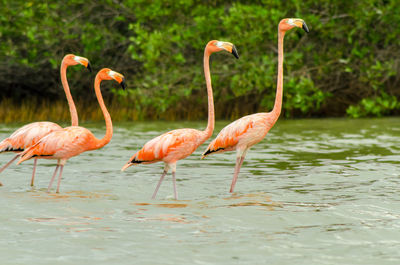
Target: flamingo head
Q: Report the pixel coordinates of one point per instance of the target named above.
(108, 74)
(216, 46)
(72, 59)
(289, 23)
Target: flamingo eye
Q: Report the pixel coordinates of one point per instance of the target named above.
(219, 44)
(111, 73)
(77, 59)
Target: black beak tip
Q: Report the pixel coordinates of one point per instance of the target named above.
(234, 52)
(89, 67)
(123, 84)
(305, 28)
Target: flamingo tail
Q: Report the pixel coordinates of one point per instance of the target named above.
(27, 154)
(208, 152)
(132, 162)
(126, 166)
(6, 146)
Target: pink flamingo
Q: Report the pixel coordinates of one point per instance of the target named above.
(31, 133)
(65, 143)
(178, 144)
(245, 132)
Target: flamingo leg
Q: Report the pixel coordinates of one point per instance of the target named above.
(52, 178)
(33, 171)
(8, 164)
(159, 183)
(59, 179)
(174, 183)
(239, 162)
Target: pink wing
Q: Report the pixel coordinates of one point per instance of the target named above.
(27, 136)
(61, 144)
(243, 133)
(169, 147)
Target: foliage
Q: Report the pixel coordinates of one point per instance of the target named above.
(348, 63)
(377, 106)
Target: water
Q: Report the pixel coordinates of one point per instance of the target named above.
(322, 191)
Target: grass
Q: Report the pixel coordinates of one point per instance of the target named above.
(58, 111)
(89, 111)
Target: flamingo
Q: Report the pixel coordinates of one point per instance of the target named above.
(245, 132)
(31, 133)
(65, 143)
(178, 144)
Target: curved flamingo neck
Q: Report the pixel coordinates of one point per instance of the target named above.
(279, 86)
(109, 129)
(71, 104)
(211, 116)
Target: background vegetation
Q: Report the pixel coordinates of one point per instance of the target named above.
(347, 65)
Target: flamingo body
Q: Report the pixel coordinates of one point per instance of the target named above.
(62, 144)
(27, 136)
(242, 133)
(169, 147)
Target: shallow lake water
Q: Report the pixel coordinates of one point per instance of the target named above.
(320, 191)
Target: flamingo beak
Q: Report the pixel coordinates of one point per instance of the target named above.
(305, 28)
(89, 67)
(126, 166)
(234, 52)
(123, 84)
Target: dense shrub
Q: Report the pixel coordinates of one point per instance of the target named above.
(348, 63)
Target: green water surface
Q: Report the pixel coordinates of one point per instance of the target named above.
(322, 191)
